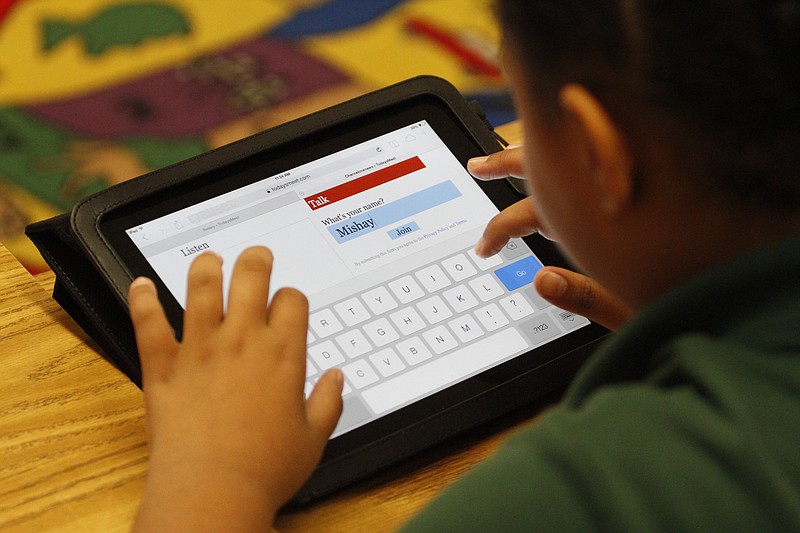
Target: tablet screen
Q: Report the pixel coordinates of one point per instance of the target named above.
(379, 237)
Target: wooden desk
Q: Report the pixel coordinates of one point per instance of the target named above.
(72, 439)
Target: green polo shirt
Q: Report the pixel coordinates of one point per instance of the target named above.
(688, 419)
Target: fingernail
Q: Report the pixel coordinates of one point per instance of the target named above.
(484, 249)
(338, 378)
(141, 281)
(551, 285)
(476, 162)
(480, 248)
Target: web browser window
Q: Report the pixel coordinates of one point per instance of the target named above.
(402, 193)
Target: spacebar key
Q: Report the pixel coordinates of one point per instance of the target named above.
(444, 370)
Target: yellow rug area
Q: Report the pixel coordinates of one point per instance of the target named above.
(95, 92)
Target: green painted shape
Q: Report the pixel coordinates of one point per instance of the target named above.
(118, 25)
(158, 153)
(30, 156)
(33, 155)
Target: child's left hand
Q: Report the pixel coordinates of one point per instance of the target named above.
(230, 434)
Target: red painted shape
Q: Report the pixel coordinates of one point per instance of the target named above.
(450, 42)
(6, 6)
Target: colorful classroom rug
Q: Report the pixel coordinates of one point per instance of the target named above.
(94, 92)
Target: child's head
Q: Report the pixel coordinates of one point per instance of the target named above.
(698, 102)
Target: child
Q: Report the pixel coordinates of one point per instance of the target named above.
(661, 152)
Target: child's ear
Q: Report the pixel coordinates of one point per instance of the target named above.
(604, 146)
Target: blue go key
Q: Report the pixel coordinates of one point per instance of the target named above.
(518, 273)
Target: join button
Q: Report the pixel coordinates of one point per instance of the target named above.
(402, 231)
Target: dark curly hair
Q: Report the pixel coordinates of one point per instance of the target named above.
(725, 74)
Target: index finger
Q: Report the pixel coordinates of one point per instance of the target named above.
(509, 162)
(516, 220)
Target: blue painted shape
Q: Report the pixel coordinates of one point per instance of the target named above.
(518, 273)
(402, 231)
(393, 212)
(333, 17)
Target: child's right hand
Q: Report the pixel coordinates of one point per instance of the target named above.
(563, 288)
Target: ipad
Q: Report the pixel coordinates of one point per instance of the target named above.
(374, 219)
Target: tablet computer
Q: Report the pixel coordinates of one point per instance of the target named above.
(368, 210)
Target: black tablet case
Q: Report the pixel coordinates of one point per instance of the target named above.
(91, 281)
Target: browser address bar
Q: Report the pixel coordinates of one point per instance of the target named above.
(310, 168)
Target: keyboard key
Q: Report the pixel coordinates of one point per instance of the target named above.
(567, 319)
(439, 339)
(540, 328)
(326, 355)
(387, 362)
(465, 328)
(486, 287)
(406, 289)
(352, 311)
(519, 273)
(381, 332)
(484, 264)
(460, 298)
(491, 317)
(535, 298)
(379, 300)
(413, 350)
(354, 412)
(443, 371)
(434, 309)
(354, 343)
(516, 306)
(433, 278)
(407, 320)
(360, 374)
(459, 267)
(514, 248)
(324, 323)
